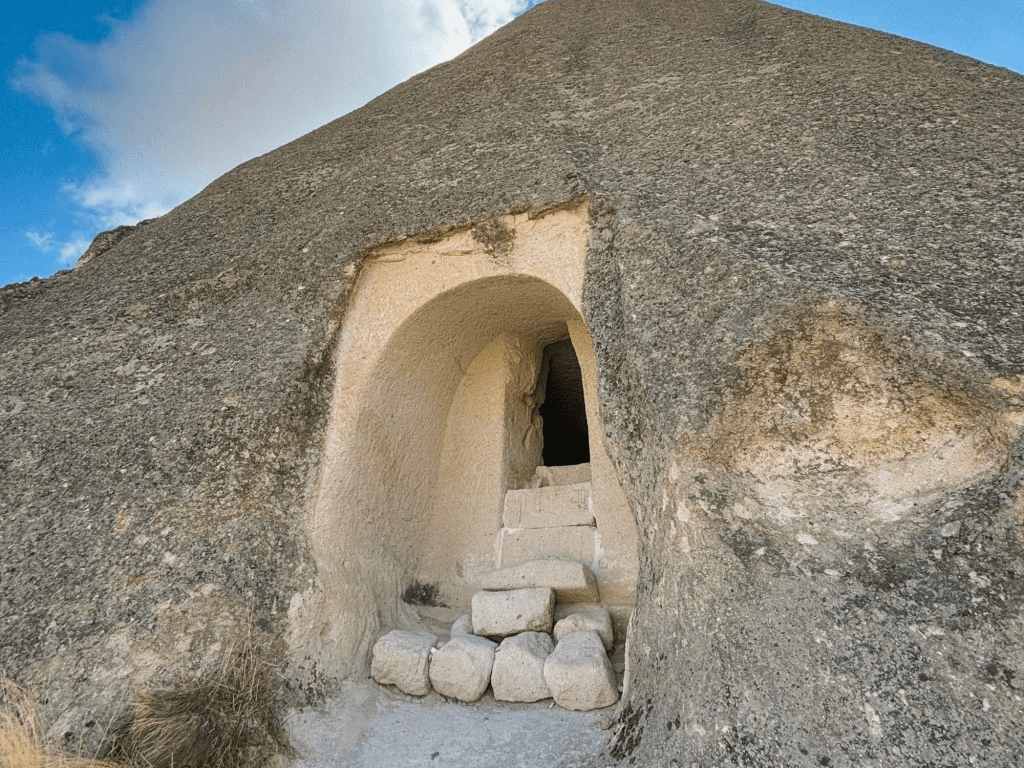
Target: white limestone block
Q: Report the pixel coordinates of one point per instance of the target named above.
(402, 658)
(518, 673)
(461, 669)
(551, 507)
(462, 626)
(592, 619)
(572, 581)
(564, 475)
(499, 614)
(579, 674)
(520, 545)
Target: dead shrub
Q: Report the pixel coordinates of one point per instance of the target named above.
(22, 738)
(228, 719)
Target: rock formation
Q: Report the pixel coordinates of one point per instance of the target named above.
(789, 255)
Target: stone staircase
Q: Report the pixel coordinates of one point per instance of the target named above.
(555, 520)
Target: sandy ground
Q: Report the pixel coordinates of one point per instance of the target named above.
(364, 725)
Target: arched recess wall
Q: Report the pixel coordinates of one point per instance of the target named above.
(433, 421)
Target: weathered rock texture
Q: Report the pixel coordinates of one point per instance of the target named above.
(498, 614)
(462, 626)
(518, 673)
(104, 241)
(579, 674)
(461, 668)
(592, 620)
(402, 658)
(803, 285)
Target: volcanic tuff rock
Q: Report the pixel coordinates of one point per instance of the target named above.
(499, 614)
(579, 674)
(518, 673)
(804, 286)
(593, 619)
(461, 668)
(402, 659)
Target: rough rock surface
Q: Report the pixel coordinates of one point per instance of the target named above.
(461, 668)
(104, 241)
(597, 620)
(518, 673)
(402, 658)
(462, 625)
(579, 674)
(498, 614)
(804, 288)
(573, 582)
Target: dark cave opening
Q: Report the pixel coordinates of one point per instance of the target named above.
(566, 437)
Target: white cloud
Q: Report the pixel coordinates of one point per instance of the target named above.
(41, 240)
(68, 251)
(185, 91)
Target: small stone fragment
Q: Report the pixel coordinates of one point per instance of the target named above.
(518, 673)
(402, 658)
(593, 619)
(572, 581)
(579, 674)
(462, 668)
(462, 626)
(499, 614)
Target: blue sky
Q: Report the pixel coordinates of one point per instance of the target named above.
(115, 110)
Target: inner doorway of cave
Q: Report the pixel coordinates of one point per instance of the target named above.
(563, 410)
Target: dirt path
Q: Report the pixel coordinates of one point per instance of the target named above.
(366, 726)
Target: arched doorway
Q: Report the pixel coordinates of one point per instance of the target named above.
(437, 416)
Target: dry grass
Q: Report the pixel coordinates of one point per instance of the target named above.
(229, 719)
(22, 740)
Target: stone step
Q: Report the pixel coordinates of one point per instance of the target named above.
(564, 475)
(550, 507)
(572, 581)
(520, 545)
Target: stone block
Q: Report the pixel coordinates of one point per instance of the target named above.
(565, 475)
(499, 614)
(569, 543)
(518, 673)
(579, 674)
(462, 626)
(461, 669)
(588, 619)
(572, 581)
(552, 507)
(402, 658)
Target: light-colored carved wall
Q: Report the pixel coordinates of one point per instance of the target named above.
(433, 421)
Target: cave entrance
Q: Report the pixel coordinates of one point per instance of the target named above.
(563, 407)
(458, 358)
